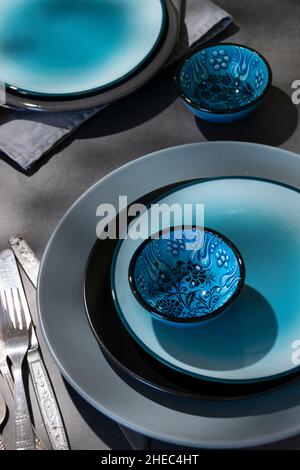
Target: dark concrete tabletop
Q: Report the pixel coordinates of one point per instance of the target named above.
(150, 119)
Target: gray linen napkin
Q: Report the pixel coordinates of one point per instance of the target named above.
(25, 136)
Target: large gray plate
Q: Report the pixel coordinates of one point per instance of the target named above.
(19, 101)
(253, 421)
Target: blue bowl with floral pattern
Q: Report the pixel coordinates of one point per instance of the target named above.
(186, 275)
(223, 82)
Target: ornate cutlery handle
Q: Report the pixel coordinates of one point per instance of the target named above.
(42, 385)
(47, 401)
(1, 444)
(9, 381)
(24, 433)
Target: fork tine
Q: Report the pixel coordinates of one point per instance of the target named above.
(16, 307)
(9, 313)
(5, 307)
(2, 313)
(23, 322)
(3, 299)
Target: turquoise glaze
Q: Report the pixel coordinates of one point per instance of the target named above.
(74, 46)
(186, 276)
(223, 82)
(254, 339)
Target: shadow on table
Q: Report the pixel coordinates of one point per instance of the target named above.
(135, 109)
(106, 429)
(272, 124)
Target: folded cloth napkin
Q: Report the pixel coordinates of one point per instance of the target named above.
(25, 136)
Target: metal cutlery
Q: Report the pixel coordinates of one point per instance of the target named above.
(4, 370)
(16, 339)
(9, 276)
(2, 418)
(26, 258)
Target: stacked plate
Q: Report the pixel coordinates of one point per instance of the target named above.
(221, 383)
(81, 53)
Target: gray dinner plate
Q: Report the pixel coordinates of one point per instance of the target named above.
(253, 421)
(143, 74)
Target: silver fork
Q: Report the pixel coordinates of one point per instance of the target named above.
(4, 370)
(16, 339)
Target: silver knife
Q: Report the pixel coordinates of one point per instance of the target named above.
(10, 277)
(26, 258)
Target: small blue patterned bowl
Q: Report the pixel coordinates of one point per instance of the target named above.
(223, 82)
(186, 276)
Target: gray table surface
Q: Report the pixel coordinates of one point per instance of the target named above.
(149, 120)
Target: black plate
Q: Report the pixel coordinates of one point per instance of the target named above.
(127, 357)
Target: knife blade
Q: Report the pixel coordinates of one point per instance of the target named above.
(10, 278)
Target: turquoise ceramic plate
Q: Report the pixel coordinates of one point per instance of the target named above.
(60, 47)
(253, 340)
